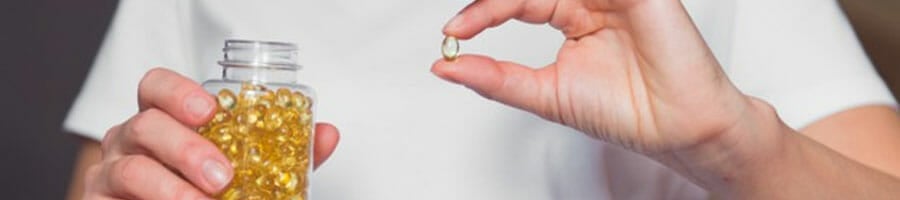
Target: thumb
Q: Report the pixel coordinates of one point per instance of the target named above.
(508, 83)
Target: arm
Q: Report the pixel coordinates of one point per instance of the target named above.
(869, 134)
(777, 162)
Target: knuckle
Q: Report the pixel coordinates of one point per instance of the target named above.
(151, 75)
(128, 169)
(165, 86)
(109, 138)
(142, 123)
(191, 148)
(534, 7)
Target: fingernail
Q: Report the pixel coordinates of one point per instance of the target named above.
(454, 23)
(198, 106)
(215, 173)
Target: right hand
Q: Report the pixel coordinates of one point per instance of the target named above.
(158, 155)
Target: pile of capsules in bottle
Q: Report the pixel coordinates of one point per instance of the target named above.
(267, 136)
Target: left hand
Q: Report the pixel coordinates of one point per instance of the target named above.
(635, 73)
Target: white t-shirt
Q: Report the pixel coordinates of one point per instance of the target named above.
(410, 135)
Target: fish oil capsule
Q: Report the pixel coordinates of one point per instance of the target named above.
(283, 97)
(273, 120)
(226, 99)
(266, 99)
(450, 48)
(263, 127)
(299, 101)
(286, 180)
(249, 116)
(220, 117)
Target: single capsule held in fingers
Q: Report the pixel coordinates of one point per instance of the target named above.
(450, 48)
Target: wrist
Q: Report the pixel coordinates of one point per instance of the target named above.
(735, 156)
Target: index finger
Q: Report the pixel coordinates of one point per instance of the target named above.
(483, 14)
(178, 96)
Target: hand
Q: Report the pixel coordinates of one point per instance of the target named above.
(631, 72)
(158, 155)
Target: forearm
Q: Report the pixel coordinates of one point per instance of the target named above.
(806, 169)
(761, 158)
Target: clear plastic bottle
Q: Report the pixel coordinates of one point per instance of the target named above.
(264, 123)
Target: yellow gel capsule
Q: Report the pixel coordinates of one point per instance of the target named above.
(283, 97)
(273, 120)
(247, 86)
(249, 117)
(299, 101)
(226, 99)
(305, 118)
(253, 153)
(287, 181)
(266, 99)
(221, 117)
(450, 48)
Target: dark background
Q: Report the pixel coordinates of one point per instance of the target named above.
(46, 50)
(47, 47)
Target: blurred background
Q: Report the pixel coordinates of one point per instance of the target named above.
(47, 47)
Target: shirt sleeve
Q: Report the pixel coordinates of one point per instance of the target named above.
(803, 57)
(143, 35)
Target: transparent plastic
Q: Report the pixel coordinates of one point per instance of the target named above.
(264, 123)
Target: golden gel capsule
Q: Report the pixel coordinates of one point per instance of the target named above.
(450, 48)
(226, 99)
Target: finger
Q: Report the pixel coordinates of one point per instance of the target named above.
(483, 14)
(327, 138)
(140, 177)
(505, 82)
(157, 134)
(177, 95)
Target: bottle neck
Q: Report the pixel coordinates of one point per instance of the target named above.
(259, 61)
(266, 75)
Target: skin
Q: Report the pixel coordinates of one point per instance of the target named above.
(634, 73)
